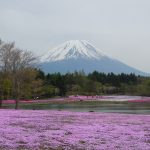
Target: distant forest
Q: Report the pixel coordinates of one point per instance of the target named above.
(96, 83)
(20, 79)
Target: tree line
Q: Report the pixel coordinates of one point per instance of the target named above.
(96, 83)
(20, 78)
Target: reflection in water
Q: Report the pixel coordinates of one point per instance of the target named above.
(114, 108)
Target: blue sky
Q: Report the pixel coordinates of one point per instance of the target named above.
(120, 28)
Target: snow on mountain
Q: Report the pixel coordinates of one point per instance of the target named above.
(77, 55)
(73, 49)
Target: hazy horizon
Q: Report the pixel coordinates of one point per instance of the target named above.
(119, 28)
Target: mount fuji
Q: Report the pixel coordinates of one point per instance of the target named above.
(77, 55)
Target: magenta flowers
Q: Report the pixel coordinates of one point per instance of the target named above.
(30, 129)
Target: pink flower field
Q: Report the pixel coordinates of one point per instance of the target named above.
(64, 130)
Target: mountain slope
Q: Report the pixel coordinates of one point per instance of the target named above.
(81, 55)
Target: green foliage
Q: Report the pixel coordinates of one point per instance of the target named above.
(49, 91)
(144, 88)
(7, 88)
(96, 83)
(35, 83)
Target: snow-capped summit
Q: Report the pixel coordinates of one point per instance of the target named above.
(77, 55)
(73, 49)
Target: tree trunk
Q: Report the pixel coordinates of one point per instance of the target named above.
(0, 103)
(16, 104)
(1, 100)
(17, 91)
